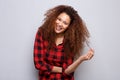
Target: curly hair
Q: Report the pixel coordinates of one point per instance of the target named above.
(74, 37)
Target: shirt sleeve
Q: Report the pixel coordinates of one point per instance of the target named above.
(66, 63)
(39, 55)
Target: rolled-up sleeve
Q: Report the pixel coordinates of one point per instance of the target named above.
(67, 63)
(39, 55)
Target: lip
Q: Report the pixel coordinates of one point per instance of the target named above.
(58, 29)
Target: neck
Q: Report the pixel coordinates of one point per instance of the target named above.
(59, 35)
(59, 39)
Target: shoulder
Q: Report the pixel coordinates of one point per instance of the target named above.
(39, 34)
(39, 31)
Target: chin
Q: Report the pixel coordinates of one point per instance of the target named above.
(58, 32)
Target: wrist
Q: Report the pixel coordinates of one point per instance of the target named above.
(60, 70)
(57, 69)
(81, 59)
(64, 72)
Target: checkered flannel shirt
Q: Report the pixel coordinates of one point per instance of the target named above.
(44, 60)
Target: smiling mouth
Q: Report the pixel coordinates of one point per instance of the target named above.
(58, 28)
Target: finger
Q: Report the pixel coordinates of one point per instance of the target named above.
(91, 49)
(90, 55)
(92, 52)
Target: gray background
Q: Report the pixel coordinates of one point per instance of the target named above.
(20, 19)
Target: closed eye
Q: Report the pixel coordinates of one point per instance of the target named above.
(59, 19)
(65, 23)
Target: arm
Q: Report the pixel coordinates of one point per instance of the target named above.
(57, 69)
(75, 64)
(39, 55)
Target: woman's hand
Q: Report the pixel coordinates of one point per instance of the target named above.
(71, 68)
(87, 56)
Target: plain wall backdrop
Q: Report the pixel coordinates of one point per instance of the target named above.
(20, 19)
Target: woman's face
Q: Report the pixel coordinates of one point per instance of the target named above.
(62, 22)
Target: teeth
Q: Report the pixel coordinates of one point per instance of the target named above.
(58, 28)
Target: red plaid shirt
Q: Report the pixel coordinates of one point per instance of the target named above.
(44, 60)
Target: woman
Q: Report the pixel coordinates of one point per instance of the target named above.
(59, 39)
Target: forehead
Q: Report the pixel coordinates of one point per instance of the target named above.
(64, 16)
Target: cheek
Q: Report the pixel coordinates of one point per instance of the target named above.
(56, 21)
(66, 27)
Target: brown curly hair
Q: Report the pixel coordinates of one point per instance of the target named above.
(74, 37)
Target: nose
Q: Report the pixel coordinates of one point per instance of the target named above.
(60, 23)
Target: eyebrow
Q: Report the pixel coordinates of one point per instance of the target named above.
(63, 20)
